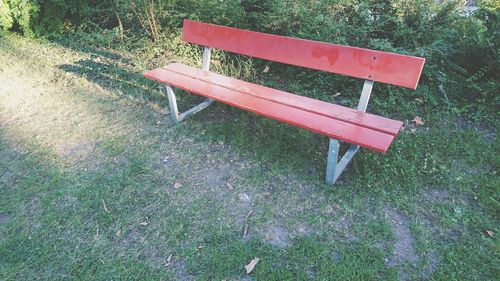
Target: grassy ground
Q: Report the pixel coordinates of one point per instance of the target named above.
(96, 183)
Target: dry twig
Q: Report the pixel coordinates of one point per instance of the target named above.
(104, 205)
(245, 229)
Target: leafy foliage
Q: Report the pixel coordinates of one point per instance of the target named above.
(461, 47)
(17, 13)
(5, 17)
(36, 17)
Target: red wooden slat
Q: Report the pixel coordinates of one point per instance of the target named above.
(321, 124)
(304, 103)
(368, 64)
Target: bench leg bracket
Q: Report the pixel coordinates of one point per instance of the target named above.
(172, 102)
(334, 168)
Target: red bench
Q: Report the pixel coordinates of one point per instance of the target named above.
(354, 126)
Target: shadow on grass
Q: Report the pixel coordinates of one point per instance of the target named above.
(115, 78)
(285, 147)
(76, 43)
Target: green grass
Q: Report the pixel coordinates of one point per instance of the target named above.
(89, 159)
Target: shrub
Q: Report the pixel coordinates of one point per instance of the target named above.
(461, 71)
(18, 14)
(5, 16)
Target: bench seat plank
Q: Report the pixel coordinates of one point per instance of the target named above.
(334, 111)
(274, 108)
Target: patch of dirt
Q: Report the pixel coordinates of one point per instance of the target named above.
(132, 238)
(180, 271)
(277, 236)
(336, 257)
(305, 192)
(443, 234)
(140, 244)
(3, 218)
(121, 160)
(209, 174)
(244, 203)
(303, 229)
(311, 273)
(33, 207)
(490, 136)
(214, 169)
(8, 179)
(277, 265)
(168, 161)
(217, 175)
(66, 202)
(437, 195)
(404, 250)
(381, 245)
(81, 152)
(83, 148)
(341, 224)
(432, 265)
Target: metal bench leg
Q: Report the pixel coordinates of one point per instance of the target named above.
(172, 102)
(333, 168)
(331, 165)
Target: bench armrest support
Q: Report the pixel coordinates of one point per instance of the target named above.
(365, 95)
(207, 54)
(333, 168)
(172, 101)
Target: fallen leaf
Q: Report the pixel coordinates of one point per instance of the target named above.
(266, 70)
(418, 121)
(269, 236)
(244, 197)
(169, 261)
(490, 233)
(177, 185)
(145, 223)
(228, 184)
(250, 266)
(419, 101)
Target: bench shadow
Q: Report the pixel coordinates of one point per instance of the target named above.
(117, 74)
(115, 78)
(74, 43)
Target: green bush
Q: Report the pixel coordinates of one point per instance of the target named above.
(461, 71)
(5, 17)
(41, 17)
(19, 14)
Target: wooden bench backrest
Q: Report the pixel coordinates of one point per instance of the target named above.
(362, 63)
